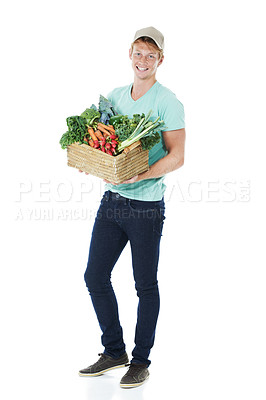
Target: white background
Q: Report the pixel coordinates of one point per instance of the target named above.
(57, 57)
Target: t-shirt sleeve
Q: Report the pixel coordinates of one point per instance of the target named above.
(172, 112)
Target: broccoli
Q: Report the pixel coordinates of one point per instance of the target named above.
(92, 117)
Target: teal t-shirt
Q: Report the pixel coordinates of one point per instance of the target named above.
(165, 105)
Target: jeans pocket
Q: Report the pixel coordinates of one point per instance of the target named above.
(101, 207)
(143, 206)
(159, 222)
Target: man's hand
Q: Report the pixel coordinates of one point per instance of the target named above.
(85, 172)
(131, 180)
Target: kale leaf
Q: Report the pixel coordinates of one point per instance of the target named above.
(106, 109)
(149, 141)
(77, 129)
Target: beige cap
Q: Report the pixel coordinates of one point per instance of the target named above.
(152, 33)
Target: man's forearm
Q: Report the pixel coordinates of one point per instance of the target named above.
(175, 144)
(162, 167)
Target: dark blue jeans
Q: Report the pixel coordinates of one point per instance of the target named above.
(118, 221)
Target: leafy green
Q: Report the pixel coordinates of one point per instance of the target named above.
(66, 139)
(93, 106)
(151, 140)
(138, 128)
(125, 126)
(91, 116)
(77, 129)
(106, 109)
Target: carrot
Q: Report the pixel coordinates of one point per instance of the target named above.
(103, 125)
(102, 129)
(91, 143)
(126, 150)
(112, 131)
(99, 134)
(109, 128)
(92, 134)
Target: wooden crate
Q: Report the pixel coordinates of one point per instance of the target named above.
(132, 161)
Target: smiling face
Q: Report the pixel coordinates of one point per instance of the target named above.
(145, 60)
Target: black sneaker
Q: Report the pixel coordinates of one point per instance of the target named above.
(104, 364)
(136, 375)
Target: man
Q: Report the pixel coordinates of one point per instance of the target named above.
(134, 211)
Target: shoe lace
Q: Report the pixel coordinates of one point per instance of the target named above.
(134, 368)
(103, 356)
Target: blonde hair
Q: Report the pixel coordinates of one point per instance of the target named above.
(151, 42)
